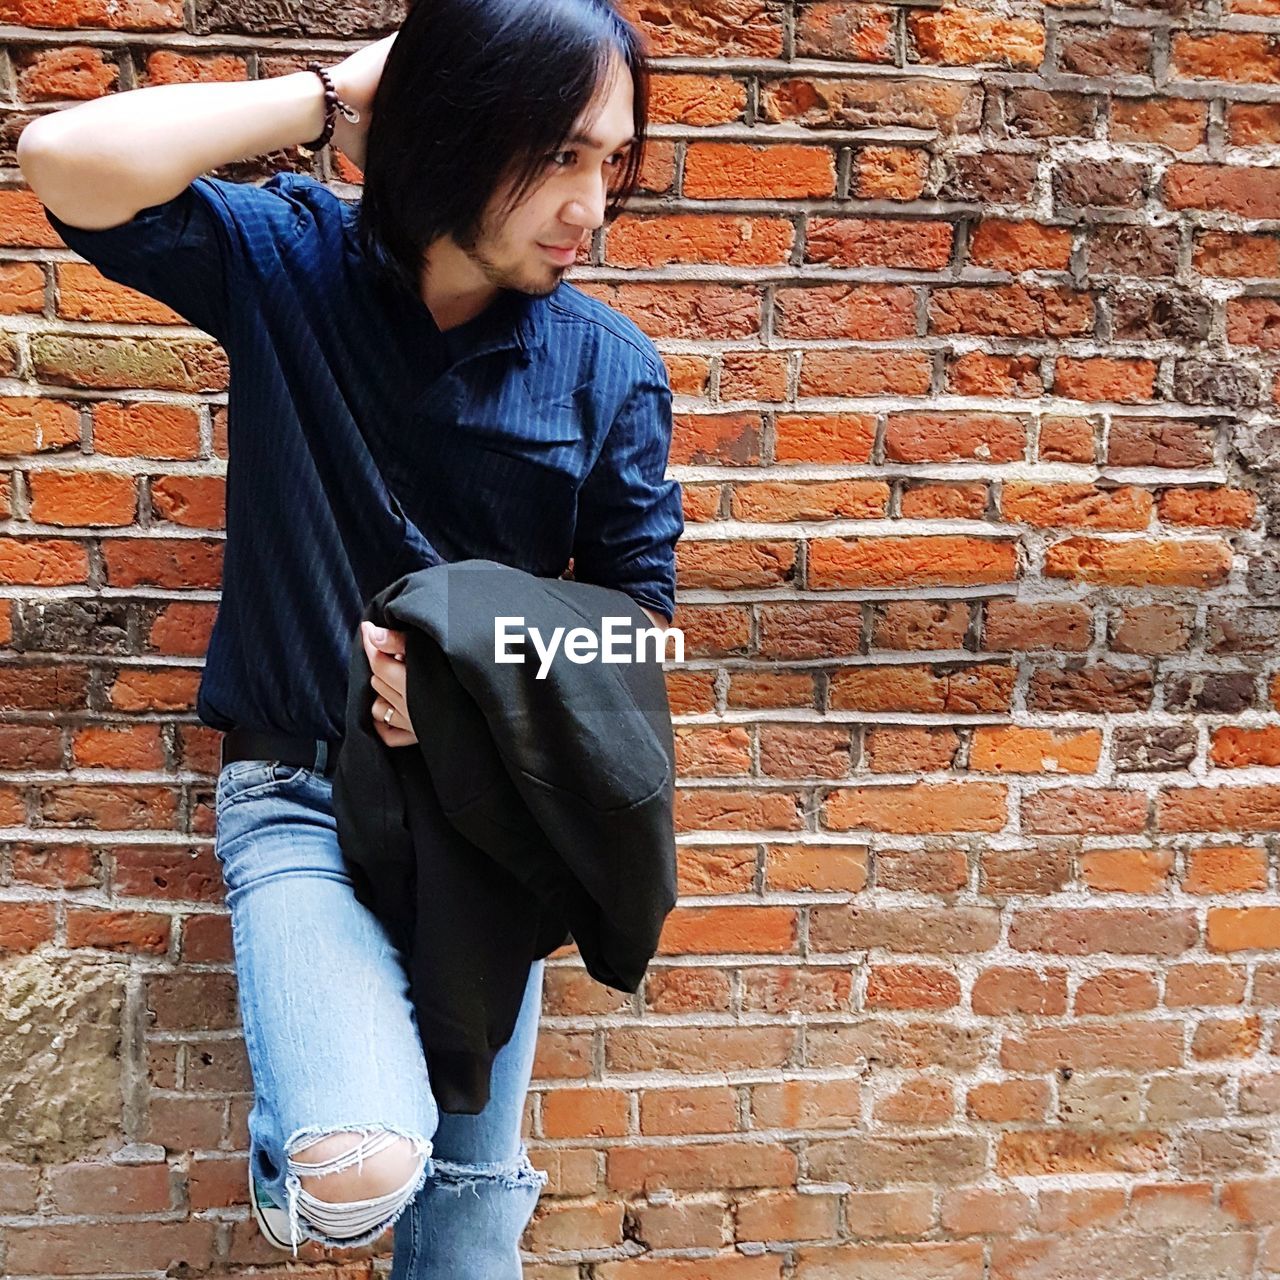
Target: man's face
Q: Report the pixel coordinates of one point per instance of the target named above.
(532, 247)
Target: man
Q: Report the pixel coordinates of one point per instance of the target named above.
(411, 379)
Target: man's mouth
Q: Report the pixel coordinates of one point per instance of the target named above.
(562, 255)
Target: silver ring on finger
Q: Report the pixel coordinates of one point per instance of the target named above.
(386, 719)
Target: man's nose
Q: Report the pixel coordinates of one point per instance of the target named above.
(587, 207)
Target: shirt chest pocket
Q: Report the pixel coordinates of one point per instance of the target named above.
(475, 499)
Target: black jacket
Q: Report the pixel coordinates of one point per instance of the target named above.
(530, 811)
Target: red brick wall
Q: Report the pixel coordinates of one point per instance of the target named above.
(976, 971)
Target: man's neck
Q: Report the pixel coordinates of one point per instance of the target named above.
(453, 288)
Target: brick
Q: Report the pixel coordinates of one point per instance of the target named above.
(804, 751)
(21, 288)
(721, 809)
(1066, 439)
(804, 629)
(686, 990)
(1236, 254)
(729, 1266)
(697, 1221)
(1176, 123)
(1240, 809)
(678, 1112)
(878, 242)
(1006, 245)
(1041, 113)
(1009, 749)
(127, 15)
(1240, 57)
(807, 1104)
(167, 66)
(701, 28)
(1002, 990)
(1082, 505)
(1151, 562)
(1102, 378)
(937, 560)
(920, 624)
(716, 869)
(146, 429)
(1252, 124)
(754, 930)
(558, 1226)
(786, 1215)
(30, 424)
(700, 1166)
(845, 311)
(959, 36)
(697, 1050)
(741, 170)
(91, 1247)
(863, 373)
(889, 173)
(1208, 508)
(990, 177)
(731, 439)
(584, 1113)
(917, 808)
(25, 925)
(872, 103)
(1251, 193)
(1014, 310)
(825, 437)
(709, 752)
(191, 366)
(981, 374)
(1083, 184)
(753, 375)
(834, 500)
(1104, 51)
(75, 71)
(795, 868)
(944, 501)
(1126, 250)
(654, 241)
(675, 309)
(941, 437)
(838, 30)
(692, 99)
(788, 989)
(82, 497)
(727, 565)
(143, 932)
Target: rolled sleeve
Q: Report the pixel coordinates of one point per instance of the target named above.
(629, 516)
(189, 251)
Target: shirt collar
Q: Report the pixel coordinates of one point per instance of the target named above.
(514, 320)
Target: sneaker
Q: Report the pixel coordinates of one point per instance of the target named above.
(272, 1220)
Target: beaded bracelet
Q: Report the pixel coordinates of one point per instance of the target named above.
(332, 105)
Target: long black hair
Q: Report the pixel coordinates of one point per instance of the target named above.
(475, 92)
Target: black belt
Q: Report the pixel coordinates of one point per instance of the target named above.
(318, 754)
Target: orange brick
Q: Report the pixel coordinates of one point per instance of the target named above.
(742, 170)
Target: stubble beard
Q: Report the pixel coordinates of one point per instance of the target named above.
(536, 281)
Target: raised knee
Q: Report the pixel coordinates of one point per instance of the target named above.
(377, 1174)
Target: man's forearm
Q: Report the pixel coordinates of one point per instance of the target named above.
(96, 164)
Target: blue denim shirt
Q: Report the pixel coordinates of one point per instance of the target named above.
(363, 443)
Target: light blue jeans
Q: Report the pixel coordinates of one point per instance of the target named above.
(333, 1046)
